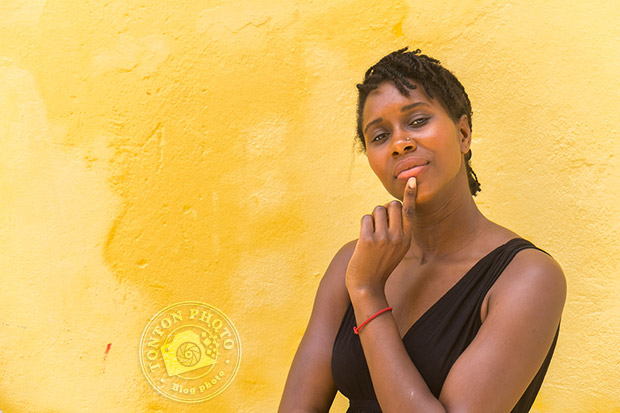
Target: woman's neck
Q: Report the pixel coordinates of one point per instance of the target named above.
(442, 228)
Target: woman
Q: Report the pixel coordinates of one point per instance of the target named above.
(434, 307)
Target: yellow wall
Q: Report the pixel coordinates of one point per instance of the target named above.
(153, 152)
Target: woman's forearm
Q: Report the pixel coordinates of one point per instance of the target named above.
(397, 382)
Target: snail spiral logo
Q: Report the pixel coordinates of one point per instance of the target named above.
(190, 352)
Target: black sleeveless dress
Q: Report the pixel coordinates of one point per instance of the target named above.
(436, 339)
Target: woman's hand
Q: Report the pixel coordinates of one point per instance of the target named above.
(385, 238)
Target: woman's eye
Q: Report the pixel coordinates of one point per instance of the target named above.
(418, 121)
(379, 137)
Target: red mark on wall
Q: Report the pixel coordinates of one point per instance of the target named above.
(105, 355)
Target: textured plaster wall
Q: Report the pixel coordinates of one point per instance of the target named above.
(157, 152)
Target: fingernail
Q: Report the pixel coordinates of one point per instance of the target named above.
(411, 182)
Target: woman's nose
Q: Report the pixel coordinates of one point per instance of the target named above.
(402, 142)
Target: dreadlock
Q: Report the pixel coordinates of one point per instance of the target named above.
(402, 68)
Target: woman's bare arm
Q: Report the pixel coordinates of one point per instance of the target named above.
(310, 386)
(493, 372)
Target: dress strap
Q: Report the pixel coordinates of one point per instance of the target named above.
(501, 257)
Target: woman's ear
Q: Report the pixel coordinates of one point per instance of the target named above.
(464, 132)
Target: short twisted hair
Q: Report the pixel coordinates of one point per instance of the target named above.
(401, 68)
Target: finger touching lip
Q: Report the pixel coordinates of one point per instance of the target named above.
(408, 173)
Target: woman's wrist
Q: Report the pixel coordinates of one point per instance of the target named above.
(356, 329)
(366, 292)
(367, 300)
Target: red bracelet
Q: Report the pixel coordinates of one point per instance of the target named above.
(356, 330)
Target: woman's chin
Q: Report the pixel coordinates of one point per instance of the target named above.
(422, 195)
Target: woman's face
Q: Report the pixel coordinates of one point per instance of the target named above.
(414, 136)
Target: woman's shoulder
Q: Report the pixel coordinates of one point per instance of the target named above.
(332, 292)
(537, 266)
(337, 269)
(534, 277)
(532, 268)
(346, 251)
(531, 260)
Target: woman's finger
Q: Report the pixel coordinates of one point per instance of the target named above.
(411, 190)
(395, 219)
(381, 220)
(367, 228)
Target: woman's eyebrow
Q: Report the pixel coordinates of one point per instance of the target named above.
(372, 123)
(413, 105)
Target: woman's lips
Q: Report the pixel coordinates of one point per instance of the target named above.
(408, 173)
(409, 166)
